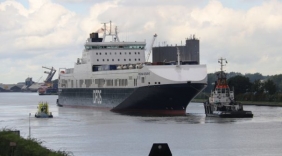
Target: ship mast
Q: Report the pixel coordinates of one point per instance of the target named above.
(222, 63)
(115, 37)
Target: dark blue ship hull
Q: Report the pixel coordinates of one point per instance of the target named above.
(157, 99)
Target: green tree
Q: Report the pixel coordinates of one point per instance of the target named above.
(211, 80)
(269, 87)
(240, 83)
(255, 76)
(257, 86)
(277, 79)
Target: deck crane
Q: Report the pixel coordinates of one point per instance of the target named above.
(150, 48)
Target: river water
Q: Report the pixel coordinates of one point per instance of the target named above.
(87, 132)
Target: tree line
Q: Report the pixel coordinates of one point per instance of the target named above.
(251, 87)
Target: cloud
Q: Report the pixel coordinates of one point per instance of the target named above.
(47, 33)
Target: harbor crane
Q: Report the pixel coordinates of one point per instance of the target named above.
(151, 47)
(51, 73)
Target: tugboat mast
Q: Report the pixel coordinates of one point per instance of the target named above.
(222, 63)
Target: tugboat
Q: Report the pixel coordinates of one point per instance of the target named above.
(221, 102)
(43, 111)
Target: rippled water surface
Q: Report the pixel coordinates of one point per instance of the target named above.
(103, 133)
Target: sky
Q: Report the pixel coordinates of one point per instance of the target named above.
(52, 33)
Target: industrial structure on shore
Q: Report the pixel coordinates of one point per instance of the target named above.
(46, 88)
(189, 53)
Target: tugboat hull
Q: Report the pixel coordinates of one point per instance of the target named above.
(226, 114)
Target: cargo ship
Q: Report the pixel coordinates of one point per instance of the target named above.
(115, 75)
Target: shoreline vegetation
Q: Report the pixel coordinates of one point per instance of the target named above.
(11, 143)
(257, 103)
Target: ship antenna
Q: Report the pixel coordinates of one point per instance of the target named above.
(116, 34)
(178, 57)
(110, 28)
(221, 61)
(105, 31)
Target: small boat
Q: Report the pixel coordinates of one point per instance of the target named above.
(43, 111)
(221, 102)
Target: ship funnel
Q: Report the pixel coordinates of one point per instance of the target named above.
(95, 37)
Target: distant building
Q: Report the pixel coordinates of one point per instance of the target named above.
(10, 87)
(189, 52)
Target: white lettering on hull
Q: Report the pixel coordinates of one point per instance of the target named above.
(97, 97)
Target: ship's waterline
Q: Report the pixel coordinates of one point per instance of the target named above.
(171, 99)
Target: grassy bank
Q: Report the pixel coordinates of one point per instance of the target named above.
(257, 103)
(11, 143)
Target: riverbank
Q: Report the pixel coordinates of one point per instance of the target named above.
(257, 103)
(11, 143)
